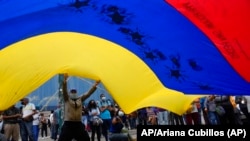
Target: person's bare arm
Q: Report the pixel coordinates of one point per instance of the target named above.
(11, 116)
(108, 107)
(103, 108)
(91, 91)
(65, 88)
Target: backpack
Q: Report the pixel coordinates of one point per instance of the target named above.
(220, 110)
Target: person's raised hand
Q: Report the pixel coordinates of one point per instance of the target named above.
(65, 77)
(97, 82)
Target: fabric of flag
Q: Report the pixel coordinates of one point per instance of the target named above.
(146, 53)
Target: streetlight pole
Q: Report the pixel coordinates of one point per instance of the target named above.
(61, 100)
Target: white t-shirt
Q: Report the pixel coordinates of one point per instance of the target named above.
(51, 117)
(28, 109)
(94, 113)
(36, 119)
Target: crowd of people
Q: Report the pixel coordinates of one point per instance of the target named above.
(27, 122)
(103, 117)
(207, 110)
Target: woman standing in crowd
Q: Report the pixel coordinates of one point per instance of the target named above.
(151, 115)
(192, 114)
(44, 123)
(94, 113)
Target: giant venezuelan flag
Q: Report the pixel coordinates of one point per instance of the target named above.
(146, 53)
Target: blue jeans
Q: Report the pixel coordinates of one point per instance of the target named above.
(2, 137)
(213, 118)
(105, 128)
(54, 131)
(36, 132)
(132, 122)
(26, 131)
(162, 117)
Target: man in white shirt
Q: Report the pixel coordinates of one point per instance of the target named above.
(51, 115)
(26, 126)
